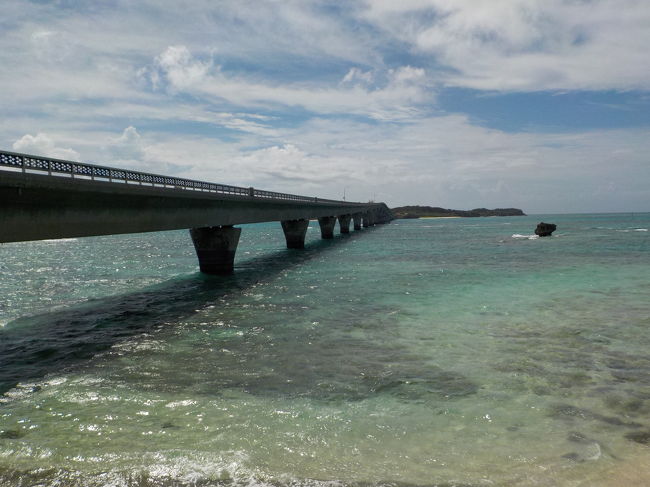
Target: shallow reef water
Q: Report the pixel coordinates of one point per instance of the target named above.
(424, 352)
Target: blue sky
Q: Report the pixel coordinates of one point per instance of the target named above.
(537, 104)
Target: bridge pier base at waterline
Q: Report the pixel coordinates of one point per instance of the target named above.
(357, 217)
(215, 248)
(344, 223)
(327, 224)
(294, 232)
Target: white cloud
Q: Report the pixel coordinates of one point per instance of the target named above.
(128, 146)
(129, 150)
(180, 69)
(42, 145)
(289, 166)
(357, 76)
(448, 161)
(525, 45)
(397, 97)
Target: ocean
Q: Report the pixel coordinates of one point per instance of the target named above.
(449, 352)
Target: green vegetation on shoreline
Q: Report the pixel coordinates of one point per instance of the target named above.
(437, 212)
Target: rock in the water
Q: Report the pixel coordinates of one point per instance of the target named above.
(642, 437)
(545, 229)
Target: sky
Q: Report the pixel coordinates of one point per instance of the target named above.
(542, 105)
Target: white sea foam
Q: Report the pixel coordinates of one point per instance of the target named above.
(185, 402)
(57, 240)
(528, 237)
(593, 451)
(640, 229)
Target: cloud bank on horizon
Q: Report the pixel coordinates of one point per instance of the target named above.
(538, 104)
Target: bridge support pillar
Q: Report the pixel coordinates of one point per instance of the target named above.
(367, 220)
(327, 224)
(344, 223)
(215, 248)
(357, 217)
(294, 233)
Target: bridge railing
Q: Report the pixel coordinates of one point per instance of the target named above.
(79, 170)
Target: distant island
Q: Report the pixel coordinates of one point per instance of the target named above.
(436, 212)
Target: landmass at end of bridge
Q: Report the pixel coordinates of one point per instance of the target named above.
(45, 198)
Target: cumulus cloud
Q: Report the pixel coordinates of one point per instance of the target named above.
(180, 68)
(42, 145)
(128, 146)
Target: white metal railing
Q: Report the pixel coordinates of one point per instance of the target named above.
(58, 167)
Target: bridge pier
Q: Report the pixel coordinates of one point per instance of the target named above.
(294, 233)
(327, 224)
(367, 220)
(357, 217)
(215, 248)
(344, 223)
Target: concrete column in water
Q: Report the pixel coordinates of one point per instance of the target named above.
(294, 233)
(366, 220)
(215, 248)
(327, 224)
(344, 223)
(357, 217)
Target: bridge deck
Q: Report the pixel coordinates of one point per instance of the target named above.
(43, 198)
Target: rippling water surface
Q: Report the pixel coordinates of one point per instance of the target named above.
(424, 352)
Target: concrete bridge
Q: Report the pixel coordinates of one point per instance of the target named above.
(44, 198)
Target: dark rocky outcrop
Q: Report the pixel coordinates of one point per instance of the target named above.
(642, 437)
(545, 229)
(435, 211)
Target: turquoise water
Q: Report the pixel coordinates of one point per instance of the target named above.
(424, 352)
